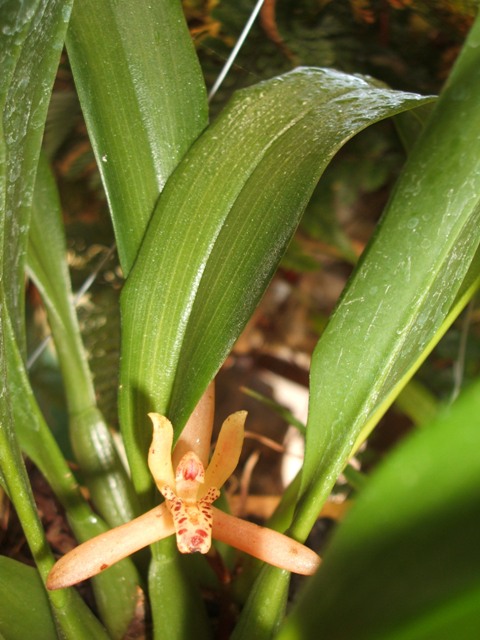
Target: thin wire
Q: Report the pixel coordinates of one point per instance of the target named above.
(34, 356)
(235, 50)
(93, 276)
(81, 292)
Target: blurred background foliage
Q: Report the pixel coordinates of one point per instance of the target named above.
(407, 44)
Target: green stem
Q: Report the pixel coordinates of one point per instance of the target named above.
(105, 476)
(72, 615)
(115, 591)
(181, 614)
(265, 607)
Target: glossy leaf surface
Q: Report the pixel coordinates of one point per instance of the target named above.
(414, 278)
(143, 98)
(31, 39)
(219, 231)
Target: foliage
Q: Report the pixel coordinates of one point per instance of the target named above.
(203, 214)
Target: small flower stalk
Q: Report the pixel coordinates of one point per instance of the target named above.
(190, 486)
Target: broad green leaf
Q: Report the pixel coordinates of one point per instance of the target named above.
(308, 512)
(219, 230)
(405, 563)
(410, 284)
(110, 488)
(24, 608)
(143, 98)
(31, 40)
(410, 280)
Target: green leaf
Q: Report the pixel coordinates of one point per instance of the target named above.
(47, 266)
(24, 608)
(414, 278)
(219, 230)
(143, 98)
(405, 563)
(104, 474)
(408, 287)
(31, 40)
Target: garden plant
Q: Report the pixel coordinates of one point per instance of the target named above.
(203, 210)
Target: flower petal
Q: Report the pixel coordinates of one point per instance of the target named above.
(265, 544)
(160, 452)
(227, 452)
(101, 552)
(197, 433)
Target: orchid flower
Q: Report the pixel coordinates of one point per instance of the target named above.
(189, 490)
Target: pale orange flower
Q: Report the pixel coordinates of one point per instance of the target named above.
(189, 491)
